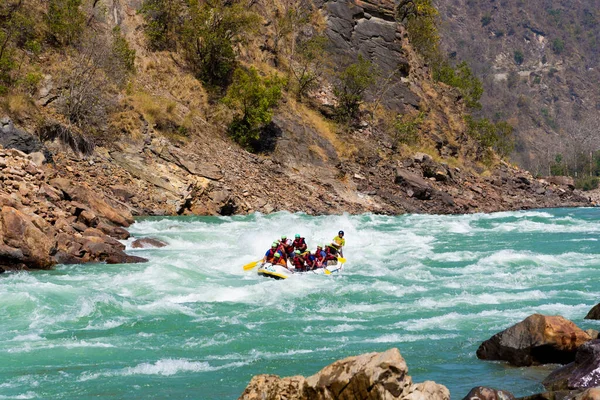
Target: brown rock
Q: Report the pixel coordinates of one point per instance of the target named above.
(147, 242)
(368, 376)
(485, 393)
(538, 339)
(93, 201)
(20, 233)
(113, 231)
(88, 218)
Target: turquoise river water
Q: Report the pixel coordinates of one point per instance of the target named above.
(191, 324)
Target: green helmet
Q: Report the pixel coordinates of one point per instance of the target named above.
(319, 246)
(298, 252)
(297, 236)
(274, 244)
(283, 237)
(277, 255)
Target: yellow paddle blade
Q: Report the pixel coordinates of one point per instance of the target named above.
(327, 272)
(341, 259)
(251, 265)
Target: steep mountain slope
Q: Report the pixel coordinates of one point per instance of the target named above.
(161, 135)
(538, 61)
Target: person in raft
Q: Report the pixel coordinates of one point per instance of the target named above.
(299, 261)
(299, 243)
(287, 248)
(270, 254)
(337, 244)
(319, 256)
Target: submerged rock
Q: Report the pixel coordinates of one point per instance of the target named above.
(147, 242)
(368, 376)
(485, 393)
(539, 339)
(583, 373)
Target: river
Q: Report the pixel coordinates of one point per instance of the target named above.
(191, 324)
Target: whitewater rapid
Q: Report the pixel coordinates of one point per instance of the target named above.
(191, 323)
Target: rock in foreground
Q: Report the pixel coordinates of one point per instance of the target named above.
(537, 340)
(368, 376)
(485, 393)
(583, 373)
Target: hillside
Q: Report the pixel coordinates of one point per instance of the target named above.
(152, 129)
(538, 61)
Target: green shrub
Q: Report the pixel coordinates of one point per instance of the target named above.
(421, 24)
(308, 64)
(498, 136)
(587, 183)
(122, 52)
(252, 98)
(210, 35)
(558, 46)
(462, 78)
(65, 21)
(519, 57)
(486, 20)
(406, 128)
(352, 83)
(163, 19)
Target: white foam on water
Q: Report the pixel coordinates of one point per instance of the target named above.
(165, 367)
(27, 395)
(404, 338)
(64, 344)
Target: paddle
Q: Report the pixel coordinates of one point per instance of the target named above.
(251, 265)
(341, 260)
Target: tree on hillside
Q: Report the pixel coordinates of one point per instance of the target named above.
(210, 35)
(352, 83)
(66, 21)
(252, 98)
(163, 20)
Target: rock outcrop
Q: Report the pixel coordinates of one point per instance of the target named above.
(538, 339)
(45, 220)
(583, 373)
(368, 376)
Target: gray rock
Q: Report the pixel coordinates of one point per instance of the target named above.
(13, 138)
(414, 183)
(594, 313)
(581, 373)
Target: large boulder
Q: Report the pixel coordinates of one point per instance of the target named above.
(22, 242)
(583, 373)
(594, 313)
(485, 393)
(414, 184)
(13, 138)
(539, 339)
(368, 376)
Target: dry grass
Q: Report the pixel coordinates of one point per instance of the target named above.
(19, 106)
(326, 129)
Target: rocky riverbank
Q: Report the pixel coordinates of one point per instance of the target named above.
(46, 219)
